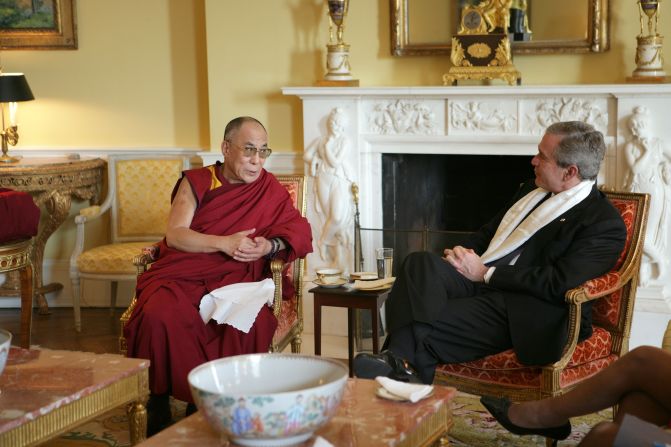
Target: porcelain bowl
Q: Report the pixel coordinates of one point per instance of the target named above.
(5, 343)
(268, 399)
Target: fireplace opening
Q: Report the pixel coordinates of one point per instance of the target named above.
(431, 202)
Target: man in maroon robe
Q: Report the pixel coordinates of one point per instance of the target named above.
(227, 220)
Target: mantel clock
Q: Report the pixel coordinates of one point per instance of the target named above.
(481, 47)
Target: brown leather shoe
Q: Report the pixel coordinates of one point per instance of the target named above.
(387, 364)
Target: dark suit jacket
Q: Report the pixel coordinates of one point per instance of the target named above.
(579, 245)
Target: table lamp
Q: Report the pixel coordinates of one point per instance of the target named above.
(13, 88)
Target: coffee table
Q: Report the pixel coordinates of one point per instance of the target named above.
(45, 392)
(351, 299)
(363, 419)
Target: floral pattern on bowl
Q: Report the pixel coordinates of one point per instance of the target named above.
(268, 399)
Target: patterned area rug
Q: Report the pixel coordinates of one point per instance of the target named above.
(473, 427)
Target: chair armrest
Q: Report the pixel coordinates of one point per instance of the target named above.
(276, 267)
(86, 215)
(589, 291)
(141, 262)
(666, 341)
(149, 254)
(596, 288)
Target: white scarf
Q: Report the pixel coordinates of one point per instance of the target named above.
(511, 234)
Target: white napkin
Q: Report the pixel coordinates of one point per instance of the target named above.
(375, 284)
(321, 442)
(237, 304)
(410, 391)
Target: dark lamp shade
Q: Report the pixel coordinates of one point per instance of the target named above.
(14, 88)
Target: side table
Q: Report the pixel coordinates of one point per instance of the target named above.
(351, 299)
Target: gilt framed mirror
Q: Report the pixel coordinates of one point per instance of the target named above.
(426, 27)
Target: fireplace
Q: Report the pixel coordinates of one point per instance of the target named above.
(445, 196)
(472, 121)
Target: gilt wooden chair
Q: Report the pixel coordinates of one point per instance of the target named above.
(289, 312)
(138, 198)
(16, 256)
(20, 219)
(612, 310)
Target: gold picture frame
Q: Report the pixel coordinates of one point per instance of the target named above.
(62, 34)
(592, 15)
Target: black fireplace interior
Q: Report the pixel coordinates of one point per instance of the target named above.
(448, 196)
(431, 202)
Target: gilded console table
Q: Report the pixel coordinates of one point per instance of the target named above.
(52, 182)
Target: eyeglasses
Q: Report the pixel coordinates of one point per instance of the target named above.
(249, 151)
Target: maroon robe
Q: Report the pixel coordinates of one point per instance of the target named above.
(165, 326)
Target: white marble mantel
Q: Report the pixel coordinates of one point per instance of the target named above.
(487, 120)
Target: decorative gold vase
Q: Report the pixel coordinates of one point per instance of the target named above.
(649, 59)
(337, 56)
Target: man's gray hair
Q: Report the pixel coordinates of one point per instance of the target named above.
(582, 145)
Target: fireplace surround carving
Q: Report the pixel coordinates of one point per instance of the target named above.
(484, 120)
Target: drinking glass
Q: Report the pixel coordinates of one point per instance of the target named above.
(385, 259)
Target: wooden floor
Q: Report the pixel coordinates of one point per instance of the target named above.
(100, 329)
(100, 332)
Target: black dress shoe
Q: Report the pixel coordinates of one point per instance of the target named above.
(387, 364)
(498, 407)
(158, 413)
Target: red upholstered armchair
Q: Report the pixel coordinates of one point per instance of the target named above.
(613, 294)
(289, 312)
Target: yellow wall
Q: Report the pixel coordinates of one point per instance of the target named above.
(257, 46)
(138, 79)
(141, 75)
(171, 73)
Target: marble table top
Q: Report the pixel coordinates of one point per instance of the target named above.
(363, 419)
(36, 382)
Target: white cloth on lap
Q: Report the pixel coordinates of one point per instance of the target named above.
(410, 391)
(237, 304)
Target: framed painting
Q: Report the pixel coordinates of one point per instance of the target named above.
(38, 25)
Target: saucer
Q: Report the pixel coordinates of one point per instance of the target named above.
(340, 282)
(374, 285)
(363, 276)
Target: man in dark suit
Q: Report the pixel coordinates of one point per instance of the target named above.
(505, 287)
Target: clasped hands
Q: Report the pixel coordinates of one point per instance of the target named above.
(245, 249)
(466, 262)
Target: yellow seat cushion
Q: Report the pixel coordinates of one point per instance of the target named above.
(112, 258)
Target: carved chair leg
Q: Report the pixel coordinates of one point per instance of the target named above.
(137, 422)
(443, 441)
(114, 285)
(76, 295)
(296, 344)
(27, 293)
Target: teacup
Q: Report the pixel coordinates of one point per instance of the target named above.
(329, 276)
